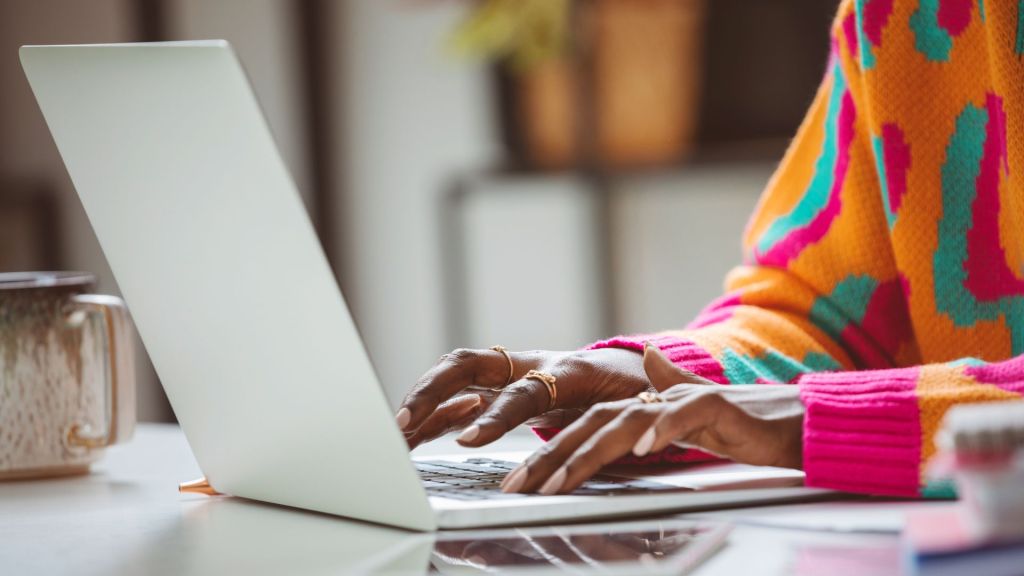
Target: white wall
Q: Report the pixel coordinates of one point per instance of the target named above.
(532, 260)
(531, 263)
(677, 235)
(412, 116)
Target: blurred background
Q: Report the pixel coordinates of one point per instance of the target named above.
(535, 173)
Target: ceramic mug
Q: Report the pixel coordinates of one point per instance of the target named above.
(67, 375)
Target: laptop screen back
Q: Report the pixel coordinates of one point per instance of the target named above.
(224, 276)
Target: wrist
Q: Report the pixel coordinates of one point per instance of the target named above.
(621, 365)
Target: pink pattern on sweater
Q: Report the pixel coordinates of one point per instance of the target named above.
(876, 16)
(885, 326)
(896, 155)
(850, 32)
(787, 249)
(955, 15)
(1008, 374)
(989, 277)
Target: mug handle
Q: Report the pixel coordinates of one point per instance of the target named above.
(118, 367)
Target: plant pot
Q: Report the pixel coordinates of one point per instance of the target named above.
(641, 79)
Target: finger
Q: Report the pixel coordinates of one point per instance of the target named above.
(663, 373)
(517, 403)
(456, 371)
(611, 442)
(532, 473)
(449, 416)
(713, 424)
(683, 419)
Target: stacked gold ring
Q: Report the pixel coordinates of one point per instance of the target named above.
(549, 381)
(511, 371)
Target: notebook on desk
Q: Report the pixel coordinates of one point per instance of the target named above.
(240, 312)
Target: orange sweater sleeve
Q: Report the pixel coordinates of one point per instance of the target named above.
(884, 265)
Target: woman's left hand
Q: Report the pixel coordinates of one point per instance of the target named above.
(759, 424)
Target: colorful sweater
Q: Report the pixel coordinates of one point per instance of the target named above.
(884, 265)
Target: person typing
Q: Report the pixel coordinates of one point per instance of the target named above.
(882, 283)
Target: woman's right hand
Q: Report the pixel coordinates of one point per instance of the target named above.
(466, 391)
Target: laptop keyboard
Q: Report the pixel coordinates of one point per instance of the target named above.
(480, 479)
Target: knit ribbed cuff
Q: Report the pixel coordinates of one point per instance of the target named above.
(862, 431)
(682, 352)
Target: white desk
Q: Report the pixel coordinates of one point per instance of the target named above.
(128, 518)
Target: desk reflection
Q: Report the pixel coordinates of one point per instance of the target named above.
(649, 547)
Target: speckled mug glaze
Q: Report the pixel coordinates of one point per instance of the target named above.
(67, 386)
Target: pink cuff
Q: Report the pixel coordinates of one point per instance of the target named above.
(684, 353)
(862, 431)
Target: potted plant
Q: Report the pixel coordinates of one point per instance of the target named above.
(609, 83)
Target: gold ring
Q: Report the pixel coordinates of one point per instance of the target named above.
(650, 397)
(549, 382)
(511, 366)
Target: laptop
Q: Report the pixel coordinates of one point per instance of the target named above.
(240, 312)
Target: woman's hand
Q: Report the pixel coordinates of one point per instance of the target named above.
(462, 392)
(759, 424)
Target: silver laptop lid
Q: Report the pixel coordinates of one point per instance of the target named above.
(224, 276)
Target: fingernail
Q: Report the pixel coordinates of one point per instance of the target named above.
(643, 445)
(515, 480)
(469, 434)
(402, 418)
(554, 484)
